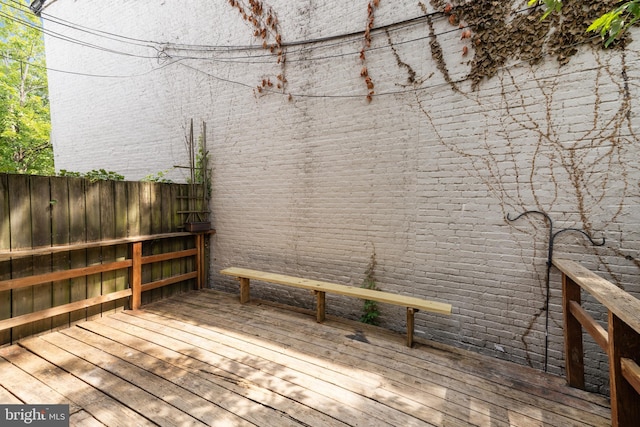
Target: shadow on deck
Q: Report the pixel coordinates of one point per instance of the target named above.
(201, 358)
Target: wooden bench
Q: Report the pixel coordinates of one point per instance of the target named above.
(321, 288)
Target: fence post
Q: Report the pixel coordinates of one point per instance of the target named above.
(573, 350)
(625, 400)
(136, 275)
(200, 260)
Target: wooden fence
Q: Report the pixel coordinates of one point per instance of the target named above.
(68, 240)
(621, 339)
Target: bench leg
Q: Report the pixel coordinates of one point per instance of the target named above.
(244, 290)
(410, 322)
(320, 311)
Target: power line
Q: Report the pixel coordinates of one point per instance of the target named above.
(31, 64)
(67, 38)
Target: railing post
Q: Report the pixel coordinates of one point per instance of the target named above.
(200, 260)
(625, 400)
(573, 349)
(136, 275)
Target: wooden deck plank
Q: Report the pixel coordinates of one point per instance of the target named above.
(236, 370)
(435, 402)
(83, 419)
(98, 405)
(396, 377)
(229, 388)
(258, 359)
(139, 400)
(8, 398)
(317, 373)
(186, 407)
(202, 358)
(29, 389)
(224, 403)
(508, 374)
(528, 405)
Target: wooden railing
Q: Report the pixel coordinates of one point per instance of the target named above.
(133, 263)
(621, 341)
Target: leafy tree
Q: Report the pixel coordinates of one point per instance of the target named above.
(25, 146)
(611, 25)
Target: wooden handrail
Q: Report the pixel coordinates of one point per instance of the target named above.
(133, 264)
(621, 340)
(622, 304)
(6, 255)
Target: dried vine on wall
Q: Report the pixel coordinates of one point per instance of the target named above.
(586, 164)
(498, 32)
(264, 22)
(364, 72)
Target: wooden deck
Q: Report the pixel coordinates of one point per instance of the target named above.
(203, 359)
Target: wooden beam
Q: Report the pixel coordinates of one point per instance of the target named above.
(136, 275)
(598, 333)
(61, 309)
(621, 303)
(169, 256)
(169, 281)
(200, 261)
(7, 255)
(573, 347)
(624, 342)
(631, 372)
(320, 306)
(22, 282)
(410, 325)
(244, 290)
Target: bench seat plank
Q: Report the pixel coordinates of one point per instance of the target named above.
(351, 291)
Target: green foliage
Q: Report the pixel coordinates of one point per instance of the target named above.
(25, 146)
(551, 6)
(370, 311)
(610, 25)
(615, 22)
(94, 175)
(158, 177)
(201, 167)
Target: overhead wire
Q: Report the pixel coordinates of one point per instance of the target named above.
(79, 27)
(111, 76)
(68, 38)
(161, 54)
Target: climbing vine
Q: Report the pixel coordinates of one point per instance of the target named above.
(364, 72)
(497, 32)
(264, 22)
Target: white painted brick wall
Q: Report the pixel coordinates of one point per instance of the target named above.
(310, 186)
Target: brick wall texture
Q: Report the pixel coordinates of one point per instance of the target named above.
(313, 180)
